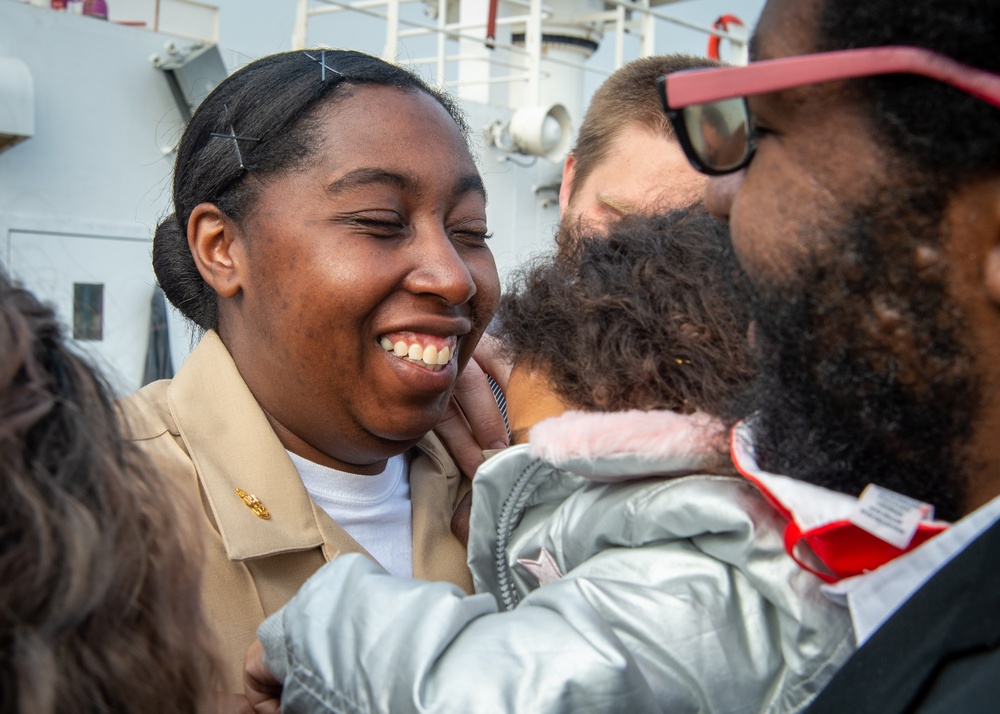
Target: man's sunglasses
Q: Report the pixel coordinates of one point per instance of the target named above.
(709, 112)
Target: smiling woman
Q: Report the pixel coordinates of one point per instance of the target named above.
(329, 236)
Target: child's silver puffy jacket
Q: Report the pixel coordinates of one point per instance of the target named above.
(608, 580)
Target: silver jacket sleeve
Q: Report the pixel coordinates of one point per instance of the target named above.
(355, 639)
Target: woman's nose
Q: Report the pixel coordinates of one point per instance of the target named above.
(440, 270)
(720, 193)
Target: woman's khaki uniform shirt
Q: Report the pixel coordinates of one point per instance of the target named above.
(205, 431)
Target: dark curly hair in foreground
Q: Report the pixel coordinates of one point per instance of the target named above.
(642, 318)
(99, 589)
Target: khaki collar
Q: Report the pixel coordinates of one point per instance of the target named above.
(234, 447)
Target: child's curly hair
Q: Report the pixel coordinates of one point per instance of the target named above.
(645, 317)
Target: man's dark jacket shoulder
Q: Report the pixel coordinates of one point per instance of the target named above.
(939, 653)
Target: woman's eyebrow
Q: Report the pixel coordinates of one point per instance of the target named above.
(471, 183)
(367, 177)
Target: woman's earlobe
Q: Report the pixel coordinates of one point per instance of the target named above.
(212, 240)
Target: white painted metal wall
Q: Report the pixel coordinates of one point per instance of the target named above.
(79, 200)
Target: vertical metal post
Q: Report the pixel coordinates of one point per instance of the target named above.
(441, 40)
(474, 68)
(619, 36)
(533, 44)
(391, 31)
(300, 32)
(648, 32)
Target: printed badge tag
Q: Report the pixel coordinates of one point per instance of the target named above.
(890, 516)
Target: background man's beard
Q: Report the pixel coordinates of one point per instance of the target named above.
(864, 377)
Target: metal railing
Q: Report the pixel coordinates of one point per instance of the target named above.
(634, 17)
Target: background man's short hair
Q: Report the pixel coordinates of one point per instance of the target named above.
(627, 97)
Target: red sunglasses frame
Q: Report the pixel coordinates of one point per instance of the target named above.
(702, 86)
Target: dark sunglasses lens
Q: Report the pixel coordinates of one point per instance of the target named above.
(719, 133)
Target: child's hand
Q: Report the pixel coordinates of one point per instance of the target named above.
(263, 690)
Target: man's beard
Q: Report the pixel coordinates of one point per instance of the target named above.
(864, 374)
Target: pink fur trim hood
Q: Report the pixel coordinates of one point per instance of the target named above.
(614, 446)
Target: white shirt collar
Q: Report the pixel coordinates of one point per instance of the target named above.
(873, 597)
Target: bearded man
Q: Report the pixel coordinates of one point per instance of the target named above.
(862, 188)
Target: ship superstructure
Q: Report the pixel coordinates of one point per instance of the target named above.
(91, 110)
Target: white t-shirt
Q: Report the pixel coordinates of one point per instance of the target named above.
(374, 510)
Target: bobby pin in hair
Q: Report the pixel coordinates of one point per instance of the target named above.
(236, 142)
(322, 64)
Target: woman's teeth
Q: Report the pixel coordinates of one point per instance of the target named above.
(429, 356)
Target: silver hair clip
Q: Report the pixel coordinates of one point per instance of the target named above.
(236, 141)
(323, 65)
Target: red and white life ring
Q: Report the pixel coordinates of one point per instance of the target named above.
(723, 24)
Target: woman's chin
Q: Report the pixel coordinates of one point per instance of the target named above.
(409, 431)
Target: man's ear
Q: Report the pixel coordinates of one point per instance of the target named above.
(211, 238)
(566, 187)
(991, 263)
(991, 275)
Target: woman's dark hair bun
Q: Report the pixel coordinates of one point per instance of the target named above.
(178, 275)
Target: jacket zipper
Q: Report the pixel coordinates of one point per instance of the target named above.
(514, 504)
